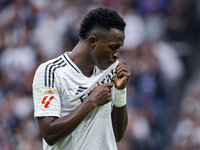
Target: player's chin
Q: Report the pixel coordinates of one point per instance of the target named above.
(109, 64)
(104, 66)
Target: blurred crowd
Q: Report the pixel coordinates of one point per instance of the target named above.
(161, 49)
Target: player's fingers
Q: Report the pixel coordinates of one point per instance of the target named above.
(122, 70)
(108, 94)
(120, 66)
(122, 62)
(123, 74)
(109, 84)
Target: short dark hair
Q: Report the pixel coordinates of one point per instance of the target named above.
(102, 17)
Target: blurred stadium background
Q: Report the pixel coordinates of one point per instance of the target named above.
(161, 49)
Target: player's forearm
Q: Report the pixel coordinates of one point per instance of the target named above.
(119, 114)
(54, 129)
(119, 121)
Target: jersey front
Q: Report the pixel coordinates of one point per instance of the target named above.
(58, 88)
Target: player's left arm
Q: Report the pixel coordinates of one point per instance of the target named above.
(119, 113)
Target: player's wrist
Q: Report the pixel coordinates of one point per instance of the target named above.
(120, 97)
(90, 102)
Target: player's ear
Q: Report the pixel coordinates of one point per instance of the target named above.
(92, 41)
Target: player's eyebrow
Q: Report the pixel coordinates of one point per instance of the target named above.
(115, 46)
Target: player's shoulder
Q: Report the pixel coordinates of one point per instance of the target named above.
(52, 63)
(46, 71)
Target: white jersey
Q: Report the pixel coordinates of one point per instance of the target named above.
(58, 88)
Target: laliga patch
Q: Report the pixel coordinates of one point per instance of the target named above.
(49, 91)
(46, 101)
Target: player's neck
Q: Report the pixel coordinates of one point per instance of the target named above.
(81, 58)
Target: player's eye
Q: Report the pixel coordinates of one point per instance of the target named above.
(114, 47)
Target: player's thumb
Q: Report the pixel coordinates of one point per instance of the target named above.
(109, 84)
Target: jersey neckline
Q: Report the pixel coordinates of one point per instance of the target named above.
(69, 61)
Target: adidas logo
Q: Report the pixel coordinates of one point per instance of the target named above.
(80, 90)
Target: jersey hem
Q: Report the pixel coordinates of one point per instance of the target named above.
(45, 115)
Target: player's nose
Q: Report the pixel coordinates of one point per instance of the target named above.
(116, 54)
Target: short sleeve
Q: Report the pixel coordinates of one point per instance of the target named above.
(46, 99)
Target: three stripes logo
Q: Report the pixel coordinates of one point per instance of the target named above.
(50, 70)
(80, 90)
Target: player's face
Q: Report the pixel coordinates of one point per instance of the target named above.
(106, 51)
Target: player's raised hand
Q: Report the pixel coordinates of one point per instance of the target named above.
(101, 94)
(122, 75)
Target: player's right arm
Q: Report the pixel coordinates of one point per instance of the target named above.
(52, 127)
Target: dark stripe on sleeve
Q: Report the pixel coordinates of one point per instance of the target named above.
(54, 71)
(50, 68)
(45, 76)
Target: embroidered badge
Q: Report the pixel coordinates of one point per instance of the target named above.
(49, 91)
